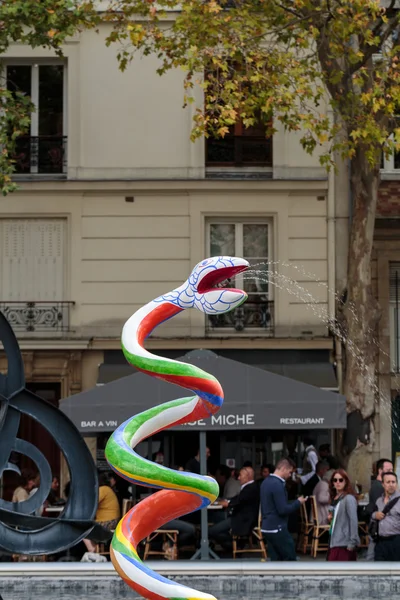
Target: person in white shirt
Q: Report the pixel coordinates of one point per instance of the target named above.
(309, 462)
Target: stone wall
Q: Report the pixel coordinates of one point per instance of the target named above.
(224, 587)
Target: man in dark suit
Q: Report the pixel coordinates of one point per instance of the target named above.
(243, 511)
(275, 511)
(320, 470)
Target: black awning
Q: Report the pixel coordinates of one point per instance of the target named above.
(111, 372)
(254, 399)
(319, 374)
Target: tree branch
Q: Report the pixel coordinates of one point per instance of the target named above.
(325, 58)
(287, 9)
(369, 51)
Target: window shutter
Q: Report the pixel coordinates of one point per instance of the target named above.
(33, 259)
(394, 267)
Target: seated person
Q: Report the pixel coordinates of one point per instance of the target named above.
(232, 486)
(222, 475)
(323, 500)
(54, 495)
(243, 511)
(28, 481)
(186, 537)
(108, 511)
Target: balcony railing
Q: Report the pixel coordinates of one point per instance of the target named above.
(251, 316)
(43, 154)
(38, 316)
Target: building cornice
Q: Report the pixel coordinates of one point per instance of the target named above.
(180, 344)
(166, 187)
(215, 343)
(49, 344)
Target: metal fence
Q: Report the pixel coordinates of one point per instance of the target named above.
(254, 315)
(41, 154)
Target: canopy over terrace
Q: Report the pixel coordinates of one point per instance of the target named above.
(254, 399)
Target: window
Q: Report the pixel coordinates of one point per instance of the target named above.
(394, 274)
(392, 163)
(241, 147)
(251, 240)
(44, 150)
(32, 274)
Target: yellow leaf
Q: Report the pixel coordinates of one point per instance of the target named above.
(222, 131)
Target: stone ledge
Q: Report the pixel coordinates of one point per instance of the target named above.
(230, 568)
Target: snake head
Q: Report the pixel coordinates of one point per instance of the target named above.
(201, 289)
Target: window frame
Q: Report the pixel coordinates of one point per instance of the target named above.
(394, 311)
(239, 134)
(239, 222)
(34, 125)
(388, 164)
(394, 338)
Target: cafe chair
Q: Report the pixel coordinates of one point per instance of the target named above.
(319, 531)
(253, 543)
(127, 504)
(25, 558)
(169, 539)
(304, 543)
(103, 549)
(363, 533)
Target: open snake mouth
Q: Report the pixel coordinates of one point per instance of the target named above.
(217, 278)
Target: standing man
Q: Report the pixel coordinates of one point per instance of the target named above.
(325, 453)
(275, 510)
(266, 471)
(387, 547)
(321, 469)
(384, 465)
(193, 465)
(310, 461)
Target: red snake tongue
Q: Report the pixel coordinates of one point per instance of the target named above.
(212, 279)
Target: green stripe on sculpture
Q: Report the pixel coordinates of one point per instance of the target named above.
(129, 463)
(165, 367)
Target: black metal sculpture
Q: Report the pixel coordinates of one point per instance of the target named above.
(21, 532)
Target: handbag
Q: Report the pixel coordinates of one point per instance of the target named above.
(373, 528)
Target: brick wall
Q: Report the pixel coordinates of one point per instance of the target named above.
(389, 199)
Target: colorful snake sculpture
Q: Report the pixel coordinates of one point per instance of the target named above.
(181, 492)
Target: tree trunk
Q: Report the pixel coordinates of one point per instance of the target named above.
(361, 316)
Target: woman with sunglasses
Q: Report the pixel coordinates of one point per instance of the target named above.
(343, 534)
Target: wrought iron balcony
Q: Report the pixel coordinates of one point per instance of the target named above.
(42, 154)
(38, 316)
(251, 316)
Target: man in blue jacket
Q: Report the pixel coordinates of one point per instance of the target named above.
(275, 510)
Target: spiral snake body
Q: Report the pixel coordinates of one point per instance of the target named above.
(180, 492)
